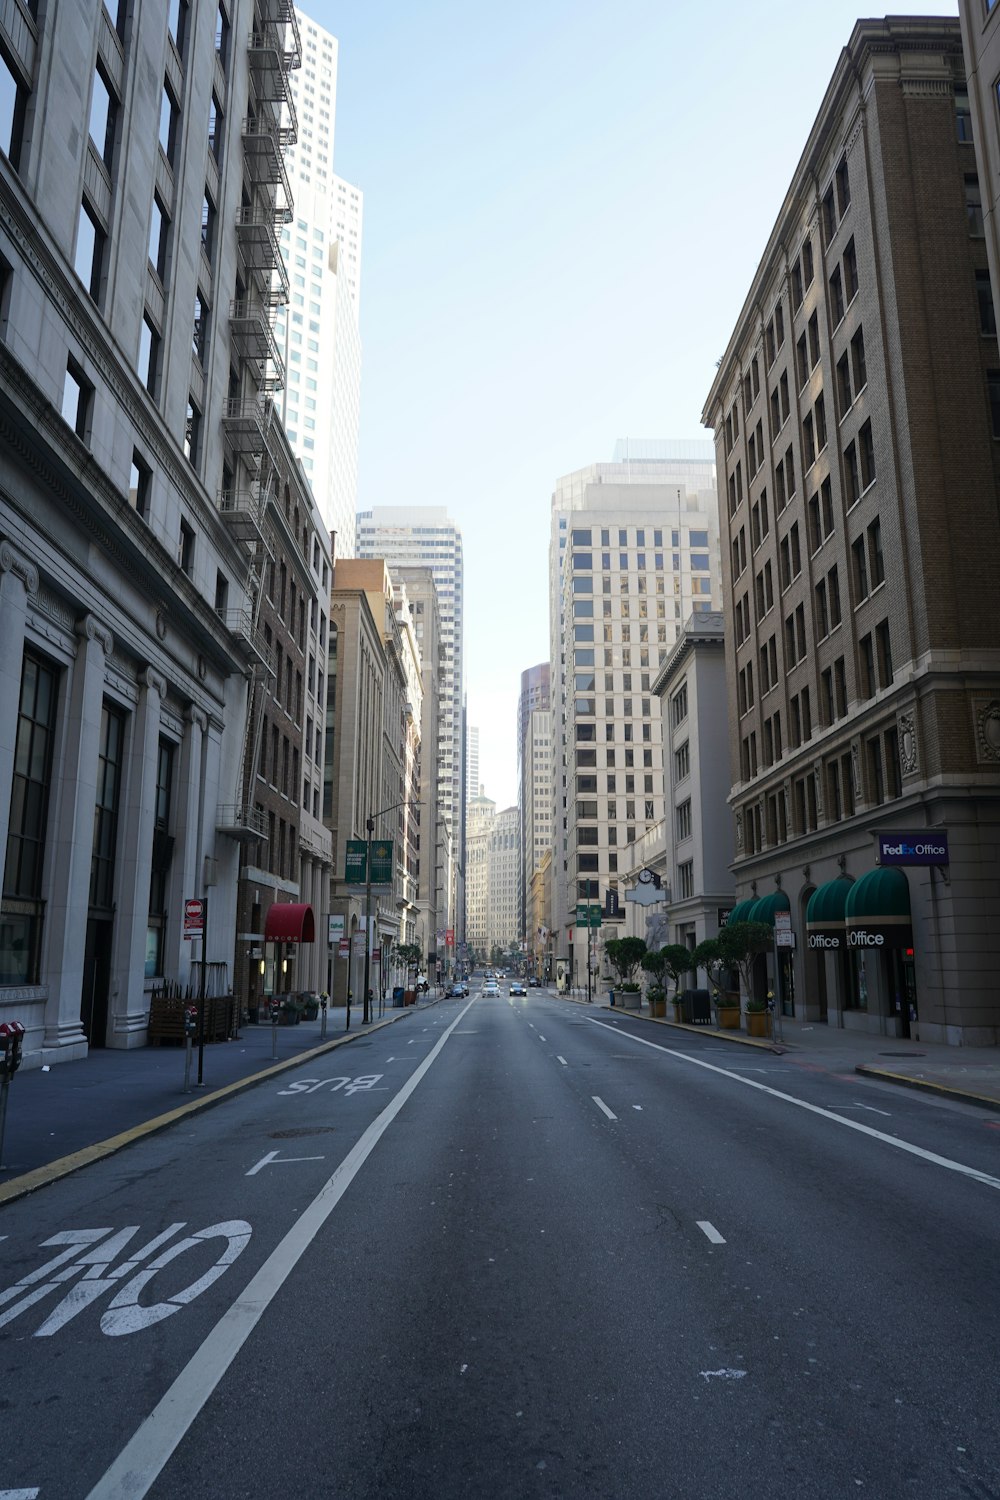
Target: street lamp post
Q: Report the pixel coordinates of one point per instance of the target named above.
(370, 829)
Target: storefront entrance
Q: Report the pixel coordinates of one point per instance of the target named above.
(96, 981)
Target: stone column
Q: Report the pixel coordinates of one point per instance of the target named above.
(128, 1008)
(18, 579)
(72, 843)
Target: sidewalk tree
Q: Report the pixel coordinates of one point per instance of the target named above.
(625, 955)
(736, 947)
(671, 962)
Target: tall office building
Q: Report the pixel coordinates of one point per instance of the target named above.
(318, 332)
(409, 536)
(534, 779)
(857, 415)
(471, 764)
(503, 858)
(139, 485)
(481, 814)
(633, 551)
(977, 111)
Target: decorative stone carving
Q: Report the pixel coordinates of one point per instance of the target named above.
(161, 625)
(906, 729)
(856, 771)
(196, 716)
(739, 828)
(987, 715)
(202, 669)
(818, 778)
(19, 565)
(91, 629)
(153, 681)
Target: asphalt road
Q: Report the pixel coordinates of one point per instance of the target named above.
(517, 1248)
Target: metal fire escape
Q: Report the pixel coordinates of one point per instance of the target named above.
(274, 50)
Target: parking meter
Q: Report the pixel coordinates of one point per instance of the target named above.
(323, 1002)
(11, 1040)
(275, 1011)
(190, 1020)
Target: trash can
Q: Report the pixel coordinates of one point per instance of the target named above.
(696, 1007)
(397, 997)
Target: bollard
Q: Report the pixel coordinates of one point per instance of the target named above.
(274, 1030)
(323, 1002)
(11, 1034)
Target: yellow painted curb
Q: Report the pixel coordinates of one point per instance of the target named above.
(19, 1187)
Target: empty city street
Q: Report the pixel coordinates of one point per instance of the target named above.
(516, 1247)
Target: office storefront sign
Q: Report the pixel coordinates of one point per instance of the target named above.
(927, 847)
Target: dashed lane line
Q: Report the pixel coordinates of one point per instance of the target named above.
(603, 1107)
(710, 1232)
(562, 1060)
(816, 1109)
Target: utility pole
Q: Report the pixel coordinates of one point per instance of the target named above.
(370, 829)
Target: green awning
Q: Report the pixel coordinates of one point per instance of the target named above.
(877, 910)
(740, 911)
(764, 909)
(826, 905)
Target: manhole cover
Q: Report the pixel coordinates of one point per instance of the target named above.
(902, 1054)
(291, 1135)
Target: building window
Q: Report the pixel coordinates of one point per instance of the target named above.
(192, 434)
(685, 880)
(103, 118)
(185, 550)
(161, 860)
(884, 649)
(987, 313)
(858, 359)
(867, 450)
(110, 760)
(139, 482)
(683, 820)
(170, 116)
(963, 114)
(13, 107)
(90, 247)
(993, 390)
(850, 271)
(837, 304)
(875, 553)
(974, 206)
(22, 909)
(682, 761)
(78, 400)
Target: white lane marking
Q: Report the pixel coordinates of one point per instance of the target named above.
(816, 1109)
(17, 1494)
(869, 1107)
(540, 1037)
(601, 1105)
(710, 1232)
(144, 1456)
(637, 1106)
(722, 1374)
(562, 1060)
(272, 1156)
(390, 1059)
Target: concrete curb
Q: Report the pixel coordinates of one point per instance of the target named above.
(926, 1086)
(722, 1036)
(29, 1182)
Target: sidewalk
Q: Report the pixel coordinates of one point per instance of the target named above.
(73, 1113)
(969, 1075)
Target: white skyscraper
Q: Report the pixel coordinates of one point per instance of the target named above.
(318, 331)
(471, 763)
(412, 536)
(634, 550)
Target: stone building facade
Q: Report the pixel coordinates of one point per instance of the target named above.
(857, 419)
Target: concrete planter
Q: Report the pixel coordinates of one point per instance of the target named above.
(628, 999)
(758, 1023)
(728, 1017)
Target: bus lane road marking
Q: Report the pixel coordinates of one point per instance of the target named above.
(133, 1473)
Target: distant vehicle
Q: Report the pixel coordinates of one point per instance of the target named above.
(490, 987)
(517, 988)
(534, 984)
(456, 991)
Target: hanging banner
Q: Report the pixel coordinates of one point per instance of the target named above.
(382, 862)
(356, 868)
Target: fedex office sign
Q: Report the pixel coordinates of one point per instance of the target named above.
(929, 847)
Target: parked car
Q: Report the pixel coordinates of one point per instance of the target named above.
(517, 988)
(456, 991)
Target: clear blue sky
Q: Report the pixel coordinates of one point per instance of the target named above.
(565, 204)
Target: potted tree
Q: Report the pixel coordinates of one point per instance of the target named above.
(625, 956)
(759, 1020)
(675, 962)
(739, 946)
(655, 993)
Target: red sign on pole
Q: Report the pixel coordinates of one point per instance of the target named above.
(449, 937)
(194, 919)
(344, 948)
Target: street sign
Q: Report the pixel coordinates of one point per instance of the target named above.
(382, 862)
(782, 921)
(344, 948)
(588, 915)
(336, 929)
(194, 919)
(784, 938)
(356, 872)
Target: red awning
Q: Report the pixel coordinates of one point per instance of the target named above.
(289, 922)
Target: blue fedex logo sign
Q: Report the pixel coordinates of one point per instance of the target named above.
(928, 847)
